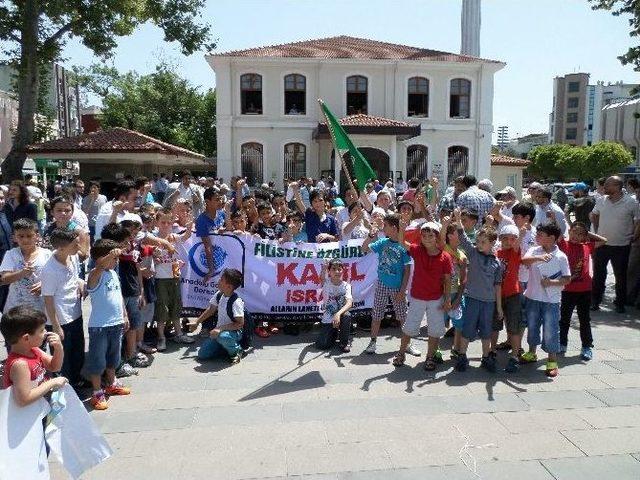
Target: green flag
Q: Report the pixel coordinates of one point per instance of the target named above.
(342, 143)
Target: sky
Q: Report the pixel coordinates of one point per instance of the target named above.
(538, 40)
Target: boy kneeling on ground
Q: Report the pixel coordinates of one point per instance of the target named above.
(336, 320)
(226, 336)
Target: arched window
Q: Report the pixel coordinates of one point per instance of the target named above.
(458, 162)
(357, 89)
(251, 163)
(418, 97)
(295, 160)
(295, 94)
(417, 164)
(460, 98)
(251, 94)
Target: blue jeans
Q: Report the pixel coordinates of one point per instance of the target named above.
(227, 342)
(104, 349)
(546, 316)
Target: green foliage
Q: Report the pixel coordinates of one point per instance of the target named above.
(625, 7)
(546, 161)
(98, 24)
(161, 104)
(560, 162)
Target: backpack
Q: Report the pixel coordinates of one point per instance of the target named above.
(246, 341)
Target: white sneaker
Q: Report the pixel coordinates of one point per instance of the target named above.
(411, 350)
(371, 348)
(162, 344)
(184, 338)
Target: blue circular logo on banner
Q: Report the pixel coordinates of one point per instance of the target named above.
(198, 259)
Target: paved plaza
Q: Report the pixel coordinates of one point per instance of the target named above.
(290, 411)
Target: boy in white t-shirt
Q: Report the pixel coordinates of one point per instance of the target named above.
(62, 290)
(226, 336)
(336, 320)
(548, 274)
(21, 266)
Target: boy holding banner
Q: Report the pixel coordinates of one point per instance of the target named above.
(393, 275)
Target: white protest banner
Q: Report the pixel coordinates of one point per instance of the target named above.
(280, 279)
(22, 448)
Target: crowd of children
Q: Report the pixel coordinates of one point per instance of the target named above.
(475, 274)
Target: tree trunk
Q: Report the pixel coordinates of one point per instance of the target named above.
(28, 85)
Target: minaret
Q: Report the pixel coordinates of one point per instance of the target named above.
(470, 28)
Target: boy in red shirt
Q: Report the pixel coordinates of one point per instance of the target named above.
(510, 256)
(26, 366)
(577, 293)
(429, 292)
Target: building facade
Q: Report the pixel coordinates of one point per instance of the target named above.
(575, 118)
(620, 122)
(268, 118)
(521, 146)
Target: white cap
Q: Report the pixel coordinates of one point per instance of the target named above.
(431, 226)
(510, 230)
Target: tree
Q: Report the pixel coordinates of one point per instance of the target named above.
(564, 162)
(606, 158)
(35, 32)
(624, 7)
(546, 161)
(161, 104)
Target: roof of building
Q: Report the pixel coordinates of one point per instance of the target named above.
(112, 140)
(371, 125)
(505, 161)
(344, 46)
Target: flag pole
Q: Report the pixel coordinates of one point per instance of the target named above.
(337, 151)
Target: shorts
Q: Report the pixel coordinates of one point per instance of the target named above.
(477, 318)
(104, 349)
(169, 300)
(415, 314)
(512, 309)
(381, 298)
(147, 313)
(132, 307)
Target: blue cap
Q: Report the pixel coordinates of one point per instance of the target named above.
(580, 186)
(338, 202)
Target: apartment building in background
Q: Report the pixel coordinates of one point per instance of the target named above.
(576, 116)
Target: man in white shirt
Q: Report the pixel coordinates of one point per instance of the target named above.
(548, 212)
(616, 217)
(119, 209)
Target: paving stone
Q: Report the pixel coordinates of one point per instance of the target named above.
(539, 383)
(619, 396)
(151, 420)
(626, 366)
(135, 468)
(620, 467)
(541, 421)
(242, 462)
(557, 400)
(627, 353)
(337, 458)
(620, 380)
(503, 402)
(238, 415)
(610, 417)
(494, 471)
(526, 446)
(608, 441)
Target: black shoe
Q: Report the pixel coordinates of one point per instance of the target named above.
(620, 309)
(462, 363)
(489, 364)
(450, 333)
(595, 308)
